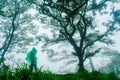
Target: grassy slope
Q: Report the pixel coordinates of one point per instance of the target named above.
(85, 75)
(25, 74)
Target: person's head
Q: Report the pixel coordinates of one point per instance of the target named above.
(34, 50)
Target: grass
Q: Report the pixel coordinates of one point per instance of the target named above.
(23, 73)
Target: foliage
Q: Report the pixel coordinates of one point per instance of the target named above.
(117, 16)
(23, 73)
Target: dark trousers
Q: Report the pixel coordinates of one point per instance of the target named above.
(33, 66)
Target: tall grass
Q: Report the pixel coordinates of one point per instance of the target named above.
(23, 73)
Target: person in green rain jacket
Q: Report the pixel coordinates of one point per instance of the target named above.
(32, 59)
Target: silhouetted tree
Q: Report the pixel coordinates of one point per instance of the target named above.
(72, 22)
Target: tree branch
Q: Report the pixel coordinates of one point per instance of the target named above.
(11, 34)
(100, 37)
(96, 6)
(72, 13)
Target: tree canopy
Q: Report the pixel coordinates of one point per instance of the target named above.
(72, 22)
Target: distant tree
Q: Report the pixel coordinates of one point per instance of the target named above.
(114, 64)
(72, 22)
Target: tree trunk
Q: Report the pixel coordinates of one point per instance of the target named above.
(81, 63)
(91, 63)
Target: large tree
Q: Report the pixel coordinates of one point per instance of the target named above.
(72, 21)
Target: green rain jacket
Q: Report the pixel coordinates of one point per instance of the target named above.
(31, 56)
